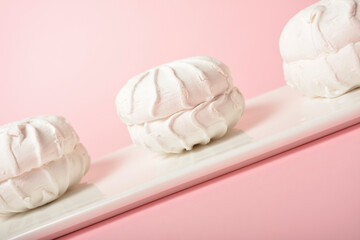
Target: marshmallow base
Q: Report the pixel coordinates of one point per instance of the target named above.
(184, 129)
(330, 75)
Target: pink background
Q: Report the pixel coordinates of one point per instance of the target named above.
(71, 57)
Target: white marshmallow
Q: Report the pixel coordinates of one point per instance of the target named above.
(320, 47)
(176, 105)
(40, 158)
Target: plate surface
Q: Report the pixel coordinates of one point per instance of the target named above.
(272, 123)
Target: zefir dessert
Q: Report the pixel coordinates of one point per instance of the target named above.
(320, 47)
(40, 158)
(177, 105)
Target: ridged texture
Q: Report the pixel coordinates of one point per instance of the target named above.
(186, 128)
(176, 105)
(40, 158)
(172, 87)
(33, 142)
(44, 184)
(320, 47)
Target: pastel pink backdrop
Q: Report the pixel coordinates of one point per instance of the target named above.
(71, 57)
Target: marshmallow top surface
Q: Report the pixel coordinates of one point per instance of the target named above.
(172, 87)
(322, 28)
(33, 142)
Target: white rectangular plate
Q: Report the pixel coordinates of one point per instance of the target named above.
(272, 123)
